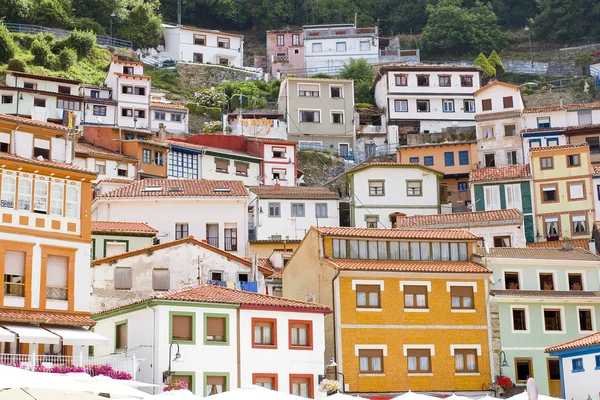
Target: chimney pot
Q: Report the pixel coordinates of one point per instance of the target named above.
(277, 186)
(592, 245)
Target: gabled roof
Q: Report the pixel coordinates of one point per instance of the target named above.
(122, 227)
(561, 147)
(567, 107)
(123, 181)
(508, 172)
(422, 234)
(178, 188)
(222, 295)
(577, 254)
(298, 192)
(392, 165)
(408, 266)
(43, 77)
(589, 340)
(40, 317)
(466, 219)
(46, 163)
(495, 83)
(89, 149)
(559, 244)
(29, 121)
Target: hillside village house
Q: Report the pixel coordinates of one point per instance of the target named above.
(286, 212)
(502, 228)
(173, 117)
(121, 278)
(386, 284)
(427, 98)
(563, 192)
(223, 223)
(42, 98)
(542, 297)
(262, 124)
(45, 217)
(195, 45)
(285, 50)
(319, 112)
(454, 159)
(226, 338)
(99, 106)
(265, 248)
(380, 191)
(112, 238)
(107, 163)
(504, 188)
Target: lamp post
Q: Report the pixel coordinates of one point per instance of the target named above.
(526, 29)
(112, 15)
(331, 364)
(502, 362)
(177, 357)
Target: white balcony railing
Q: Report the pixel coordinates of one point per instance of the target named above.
(115, 366)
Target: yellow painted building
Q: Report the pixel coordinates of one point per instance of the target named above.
(563, 191)
(410, 307)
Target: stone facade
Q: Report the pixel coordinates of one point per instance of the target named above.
(202, 76)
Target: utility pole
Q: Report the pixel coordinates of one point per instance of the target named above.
(178, 12)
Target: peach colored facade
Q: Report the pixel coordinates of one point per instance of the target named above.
(285, 50)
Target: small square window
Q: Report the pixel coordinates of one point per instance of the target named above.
(419, 360)
(465, 360)
(585, 320)
(577, 365)
(336, 92)
(264, 332)
(462, 297)
(547, 162)
(368, 296)
(463, 186)
(376, 188)
(543, 122)
(274, 209)
(511, 280)
(415, 297)
(524, 369)
(422, 105)
(401, 105)
(449, 159)
(370, 361)
(413, 160)
(414, 188)
(575, 281)
(422, 80)
(573, 160)
(486, 105)
(445, 81)
(519, 319)
(510, 130)
(502, 241)
(511, 157)
(507, 102)
(340, 46)
(182, 327)
(428, 161)
(216, 329)
(301, 335)
(401, 80)
(297, 209)
(549, 193)
(552, 320)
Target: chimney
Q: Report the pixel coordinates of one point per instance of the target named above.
(277, 186)
(592, 244)
(115, 58)
(162, 132)
(568, 245)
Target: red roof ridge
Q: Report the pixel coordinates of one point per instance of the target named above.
(407, 266)
(34, 122)
(122, 226)
(559, 147)
(434, 234)
(589, 340)
(188, 188)
(422, 221)
(506, 172)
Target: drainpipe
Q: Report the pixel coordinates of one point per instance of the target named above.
(239, 366)
(18, 95)
(13, 143)
(153, 362)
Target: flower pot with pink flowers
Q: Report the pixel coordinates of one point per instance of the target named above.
(576, 286)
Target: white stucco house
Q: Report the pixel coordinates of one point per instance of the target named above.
(225, 338)
(99, 107)
(122, 278)
(195, 45)
(288, 212)
(500, 228)
(178, 208)
(107, 163)
(380, 191)
(174, 117)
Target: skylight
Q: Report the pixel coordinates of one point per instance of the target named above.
(221, 189)
(153, 189)
(175, 189)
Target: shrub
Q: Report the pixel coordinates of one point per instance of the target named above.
(15, 64)
(67, 58)
(82, 42)
(496, 62)
(53, 63)
(41, 51)
(211, 98)
(23, 40)
(484, 64)
(213, 127)
(7, 45)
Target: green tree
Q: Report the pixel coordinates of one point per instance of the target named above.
(67, 58)
(82, 42)
(496, 62)
(362, 73)
(484, 64)
(563, 20)
(14, 10)
(7, 45)
(142, 25)
(52, 13)
(41, 51)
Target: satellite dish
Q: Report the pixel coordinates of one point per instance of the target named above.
(532, 389)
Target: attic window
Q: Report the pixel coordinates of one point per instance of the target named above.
(221, 190)
(153, 189)
(175, 189)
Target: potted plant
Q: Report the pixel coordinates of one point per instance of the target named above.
(504, 382)
(548, 286)
(513, 285)
(330, 386)
(576, 286)
(175, 384)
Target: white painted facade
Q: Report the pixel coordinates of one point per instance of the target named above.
(111, 168)
(131, 89)
(541, 139)
(267, 128)
(277, 164)
(219, 47)
(581, 384)
(99, 107)
(22, 144)
(329, 46)
(395, 196)
(269, 226)
(516, 233)
(175, 120)
(163, 213)
(149, 338)
(188, 264)
(432, 107)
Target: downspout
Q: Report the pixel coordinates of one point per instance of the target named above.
(120, 141)
(335, 299)
(153, 362)
(239, 367)
(18, 95)
(13, 142)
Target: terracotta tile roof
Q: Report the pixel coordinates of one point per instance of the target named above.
(577, 128)
(577, 254)
(543, 294)
(42, 76)
(431, 234)
(90, 149)
(124, 181)
(582, 106)
(45, 163)
(29, 121)
(408, 266)
(495, 83)
(496, 114)
(178, 188)
(568, 107)
(191, 28)
(391, 164)
(589, 340)
(561, 147)
(504, 217)
(508, 172)
(133, 76)
(293, 192)
(424, 145)
(596, 169)
(4, 86)
(168, 105)
(127, 62)
(543, 109)
(536, 130)
(223, 295)
(269, 241)
(273, 140)
(37, 317)
(559, 244)
(125, 227)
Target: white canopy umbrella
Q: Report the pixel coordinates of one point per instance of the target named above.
(254, 392)
(414, 396)
(343, 396)
(525, 396)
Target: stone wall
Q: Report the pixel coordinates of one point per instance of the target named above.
(452, 134)
(201, 76)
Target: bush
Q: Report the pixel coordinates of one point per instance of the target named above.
(213, 127)
(23, 40)
(15, 64)
(482, 62)
(211, 98)
(53, 63)
(41, 51)
(496, 62)
(7, 45)
(82, 42)
(67, 58)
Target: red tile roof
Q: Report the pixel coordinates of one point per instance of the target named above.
(505, 217)
(508, 172)
(496, 114)
(272, 140)
(37, 317)
(561, 147)
(392, 164)
(423, 234)
(29, 121)
(529, 253)
(168, 105)
(293, 192)
(124, 181)
(536, 130)
(569, 107)
(223, 295)
(589, 340)
(127, 62)
(178, 188)
(559, 244)
(90, 149)
(42, 76)
(45, 163)
(133, 76)
(596, 169)
(408, 266)
(124, 227)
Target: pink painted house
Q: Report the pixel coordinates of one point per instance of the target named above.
(285, 50)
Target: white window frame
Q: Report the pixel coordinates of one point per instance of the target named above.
(430, 347)
(583, 196)
(592, 312)
(313, 110)
(527, 319)
(511, 187)
(546, 271)
(341, 87)
(315, 46)
(337, 112)
(401, 101)
(337, 50)
(356, 282)
(576, 271)
(416, 283)
(448, 101)
(307, 84)
(563, 327)
(496, 196)
(514, 271)
(360, 45)
(483, 134)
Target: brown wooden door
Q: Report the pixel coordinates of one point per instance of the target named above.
(554, 387)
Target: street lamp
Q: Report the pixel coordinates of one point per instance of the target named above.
(526, 29)
(502, 361)
(111, 22)
(177, 358)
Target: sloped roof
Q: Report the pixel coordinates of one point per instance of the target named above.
(408, 266)
(42, 76)
(508, 172)
(495, 83)
(169, 106)
(122, 227)
(38, 317)
(561, 147)
(90, 149)
(423, 234)
(293, 192)
(507, 217)
(392, 164)
(29, 121)
(178, 188)
(46, 163)
(529, 253)
(589, 340)
(559, 244)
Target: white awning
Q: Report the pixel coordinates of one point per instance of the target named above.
(78, 336)
(6, 336)
(32, 334)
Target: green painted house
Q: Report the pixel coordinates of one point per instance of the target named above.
(111, 237)
(502, 188)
